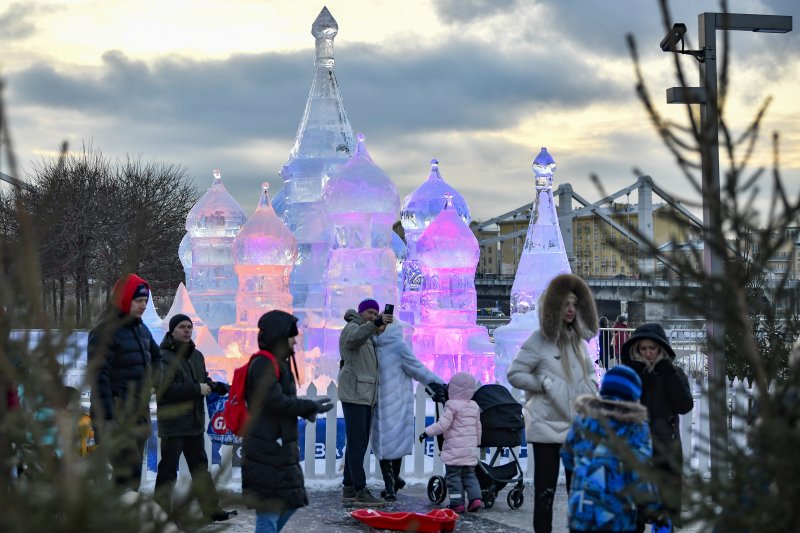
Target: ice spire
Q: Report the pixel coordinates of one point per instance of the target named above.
(447, 340)
(211, 225)
(419, 209)
(264, 253)
(543, 258)
(324, 142)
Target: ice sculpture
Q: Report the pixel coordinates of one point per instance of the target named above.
(182, 304)
(185, 256)
(447, 340)
(543, 258)
(153, 321)
(212, 225)
(362, 204)
(264, 253)
(324, 142)
(401, 254)
(417, 212)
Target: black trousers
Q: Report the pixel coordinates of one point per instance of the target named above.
(357, 424)
(546, 463)
(193, 448)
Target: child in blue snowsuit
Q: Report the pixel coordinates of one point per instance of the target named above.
(607, 450)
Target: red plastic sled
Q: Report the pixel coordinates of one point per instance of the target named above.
(431, 522)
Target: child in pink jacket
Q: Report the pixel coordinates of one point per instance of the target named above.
(460, 424)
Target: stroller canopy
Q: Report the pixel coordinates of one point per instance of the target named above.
(501, 416)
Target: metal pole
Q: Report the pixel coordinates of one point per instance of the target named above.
(713, 239)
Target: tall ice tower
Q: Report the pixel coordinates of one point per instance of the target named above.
(543, 258)
(324, 142)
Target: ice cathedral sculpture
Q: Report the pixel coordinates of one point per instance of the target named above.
(418, 210)
(447, 339)
(212, 224)
(324, 142)
(543, 258)
(362, 204)
(264, 253)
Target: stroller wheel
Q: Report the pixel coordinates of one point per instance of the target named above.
(437, 490)
(488, 498)
(515, 498)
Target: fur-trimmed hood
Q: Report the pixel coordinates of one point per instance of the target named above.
(551, 303)
(601, 408)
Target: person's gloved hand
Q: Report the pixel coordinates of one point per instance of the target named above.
(220, 388)
(324, 405)
(423, 436)
(437, 391)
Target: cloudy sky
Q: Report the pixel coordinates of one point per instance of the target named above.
(479, 84)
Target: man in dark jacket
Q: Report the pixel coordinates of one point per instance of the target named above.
(182, 418)
(272, 480)
(124, 362)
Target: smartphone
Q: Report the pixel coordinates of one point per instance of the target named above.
(389, 309)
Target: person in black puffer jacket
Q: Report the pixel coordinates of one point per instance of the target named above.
(182, 418)
(124, 364)
(666, 394)
(272, 480)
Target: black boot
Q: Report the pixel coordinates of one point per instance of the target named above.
(399, 483)
(388, 480)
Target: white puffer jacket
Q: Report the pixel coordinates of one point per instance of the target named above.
(460, 423)
(549, 394)
(393, 415)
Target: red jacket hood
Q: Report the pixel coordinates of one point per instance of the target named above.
(123, 292)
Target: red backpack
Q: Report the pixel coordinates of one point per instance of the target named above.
(235, 413)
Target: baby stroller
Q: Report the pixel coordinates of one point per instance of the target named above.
(503, 426)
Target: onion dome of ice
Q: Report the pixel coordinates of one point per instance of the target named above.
(448, 242)
(216, 213)
(543, 167)
(360, 186)
(185, 252)
(426, 202)
(264, 239)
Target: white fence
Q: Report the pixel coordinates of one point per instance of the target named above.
(424, 461)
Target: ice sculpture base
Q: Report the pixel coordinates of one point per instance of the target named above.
(448, 350)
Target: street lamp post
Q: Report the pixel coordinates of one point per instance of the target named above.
(713, 248)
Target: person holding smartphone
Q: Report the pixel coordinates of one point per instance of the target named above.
(358, 392)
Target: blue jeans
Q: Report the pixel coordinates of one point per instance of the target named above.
(357, 423)
(272, 522)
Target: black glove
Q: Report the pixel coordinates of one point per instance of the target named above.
(220, 388)
(378, 321)
(324, 405)
(422, 437)
(437, 391)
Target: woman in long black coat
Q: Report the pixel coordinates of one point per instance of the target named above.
(666, 394)
(272, 480)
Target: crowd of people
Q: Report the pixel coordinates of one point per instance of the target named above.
(619, 440)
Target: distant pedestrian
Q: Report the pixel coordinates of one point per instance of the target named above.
(358, 392)
(182, 419)
(607, 452)
(604, 342)
(393, 415)
(460, 424)
(125, 364)
(666, 394)
(272, 480)
(553, 368)
(620, 335)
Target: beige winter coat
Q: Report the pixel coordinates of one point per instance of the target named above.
(538, 370)
(358, 375)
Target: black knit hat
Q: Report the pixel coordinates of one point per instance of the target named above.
(177, 319)
(621, 383)
(274, 326)
(651, 331)
(142, 290)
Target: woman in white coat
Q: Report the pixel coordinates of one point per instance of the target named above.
(393, 415)
(553, 367)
